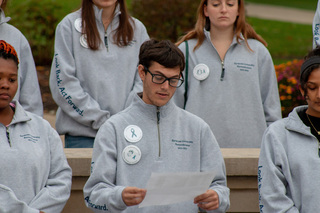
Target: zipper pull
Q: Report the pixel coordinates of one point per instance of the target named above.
(106, 41)
(158, 115)
(222, 71)
(8, 136)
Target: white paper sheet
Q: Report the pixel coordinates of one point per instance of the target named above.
(168, 188)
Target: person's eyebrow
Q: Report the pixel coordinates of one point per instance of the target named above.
(160, 73)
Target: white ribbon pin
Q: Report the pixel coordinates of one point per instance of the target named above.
(133, 133)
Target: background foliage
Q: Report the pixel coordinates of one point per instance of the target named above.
(166, 20)
(288, 75)
(37, 20)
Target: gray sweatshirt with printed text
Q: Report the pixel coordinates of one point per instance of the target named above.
(35, 174)
(90, 86)
(239, 98)
(173, 140)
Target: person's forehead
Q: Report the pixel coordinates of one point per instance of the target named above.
(157, 68)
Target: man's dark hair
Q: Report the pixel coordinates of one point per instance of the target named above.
(163, 52)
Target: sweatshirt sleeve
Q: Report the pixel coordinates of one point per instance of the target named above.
(137, 88)
(316, 27)
(268, 87)
(212, 160)
(10, 203)
(53, 197)
(137, 84)
(63, 78)
(100, 192)
(28, 82)
(271, 179)
(178, 97)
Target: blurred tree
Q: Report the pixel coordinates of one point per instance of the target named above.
(166, 19)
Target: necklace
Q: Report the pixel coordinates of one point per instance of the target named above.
(312, 124)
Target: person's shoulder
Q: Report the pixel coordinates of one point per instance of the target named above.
(138, 25)
(137, 21)
(278, 129)
(256, 45)
(191, 42)
(8, 28)
(71, 17)
(38, 120)
(117, 118)
(188, 117)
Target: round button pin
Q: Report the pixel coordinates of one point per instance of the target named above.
(83, 41)
(133, 133)
(201, 72)
(131, 154)
(78, 25)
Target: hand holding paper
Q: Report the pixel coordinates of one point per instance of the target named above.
(208, 200)
(133, 196)
(168, 188)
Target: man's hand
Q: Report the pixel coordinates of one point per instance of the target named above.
(133, 196)
(208, 200)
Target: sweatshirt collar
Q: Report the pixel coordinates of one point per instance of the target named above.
(151, 110)
(20, 114)
(234, 41)
(98, 14)
(3, 18)
(294, 123)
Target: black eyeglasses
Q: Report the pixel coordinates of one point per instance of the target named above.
(160, 79)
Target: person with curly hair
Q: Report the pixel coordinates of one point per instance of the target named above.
(28, 79)
(35, 175)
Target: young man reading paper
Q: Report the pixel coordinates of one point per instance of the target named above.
(154, 135)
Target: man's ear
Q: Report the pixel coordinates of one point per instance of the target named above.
(142, 72)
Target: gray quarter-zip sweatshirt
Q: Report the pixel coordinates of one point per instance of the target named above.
(289, 167)
(170, 140)
(239, 98)
(35, 174)
(90, 86)
(28, 93)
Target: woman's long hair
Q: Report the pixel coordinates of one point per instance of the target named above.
(203, 22)
(124, 32)
(4, 4)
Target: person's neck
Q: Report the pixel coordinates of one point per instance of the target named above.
(313, 113)
(107, 16)
(221, 40)
(224, 36)
(6, 115)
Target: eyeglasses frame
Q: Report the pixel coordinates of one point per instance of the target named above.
(166, 79)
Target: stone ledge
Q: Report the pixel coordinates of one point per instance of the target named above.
(241, 168)
(239, 162)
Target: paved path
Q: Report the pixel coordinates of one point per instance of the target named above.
(259, 11)
(280, 13)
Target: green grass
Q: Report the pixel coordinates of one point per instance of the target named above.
(286, 41)
(301, 4)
